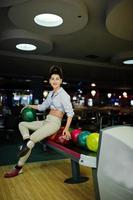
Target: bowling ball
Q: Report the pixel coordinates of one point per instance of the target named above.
(70, 129)
(52, 137)
(28, 114)
(59, 138)
(75, 133)
(82, 138)
(92, 141)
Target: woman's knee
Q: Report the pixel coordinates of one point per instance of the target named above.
(21, 124)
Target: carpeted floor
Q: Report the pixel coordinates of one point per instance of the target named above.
(9, 149)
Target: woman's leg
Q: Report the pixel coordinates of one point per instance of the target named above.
(23, 159)
(18, 168)
(24, 128)
(50, 126)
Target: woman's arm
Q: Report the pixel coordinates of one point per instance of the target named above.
(40, 107)
(66, 102)
(66, 132)
(33, 106)
(30, 106)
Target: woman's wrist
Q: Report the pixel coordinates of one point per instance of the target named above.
(66, 128)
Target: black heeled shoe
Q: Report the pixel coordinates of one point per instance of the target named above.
(23, 150)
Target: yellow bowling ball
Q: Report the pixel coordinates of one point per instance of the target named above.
(92, 141)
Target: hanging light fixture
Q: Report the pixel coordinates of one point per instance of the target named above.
(93, 84)
(125, 94)
(93, 92)
(109, 95)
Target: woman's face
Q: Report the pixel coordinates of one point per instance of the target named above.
(55, 81)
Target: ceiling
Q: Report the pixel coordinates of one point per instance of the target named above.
(90, 45)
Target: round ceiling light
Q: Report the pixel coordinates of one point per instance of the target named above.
(26, 47)
(53, 19)
(128, 62)
(48, 20)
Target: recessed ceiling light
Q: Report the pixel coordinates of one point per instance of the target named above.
(48, 20)
(128, 62)
(26, 47)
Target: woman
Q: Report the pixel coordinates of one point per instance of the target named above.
(59, 103)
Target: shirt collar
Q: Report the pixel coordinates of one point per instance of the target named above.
(57, 92)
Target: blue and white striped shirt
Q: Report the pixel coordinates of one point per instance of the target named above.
(60, 101)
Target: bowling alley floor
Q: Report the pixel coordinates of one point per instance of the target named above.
(45, 180)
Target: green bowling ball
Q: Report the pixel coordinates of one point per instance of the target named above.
(92, 141)
(70, 129)
(28, 114)
(82, 138)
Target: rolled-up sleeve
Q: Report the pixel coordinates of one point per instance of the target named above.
(66, 102)
(45, 104)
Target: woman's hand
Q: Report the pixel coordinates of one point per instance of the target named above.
(30, 106)
(66, 134)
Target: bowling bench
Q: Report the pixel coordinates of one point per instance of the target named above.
(111, 166)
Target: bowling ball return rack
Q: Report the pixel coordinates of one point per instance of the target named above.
(78, 156)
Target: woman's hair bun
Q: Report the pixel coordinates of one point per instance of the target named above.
(56, 70)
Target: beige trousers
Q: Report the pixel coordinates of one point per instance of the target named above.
(42, 129)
